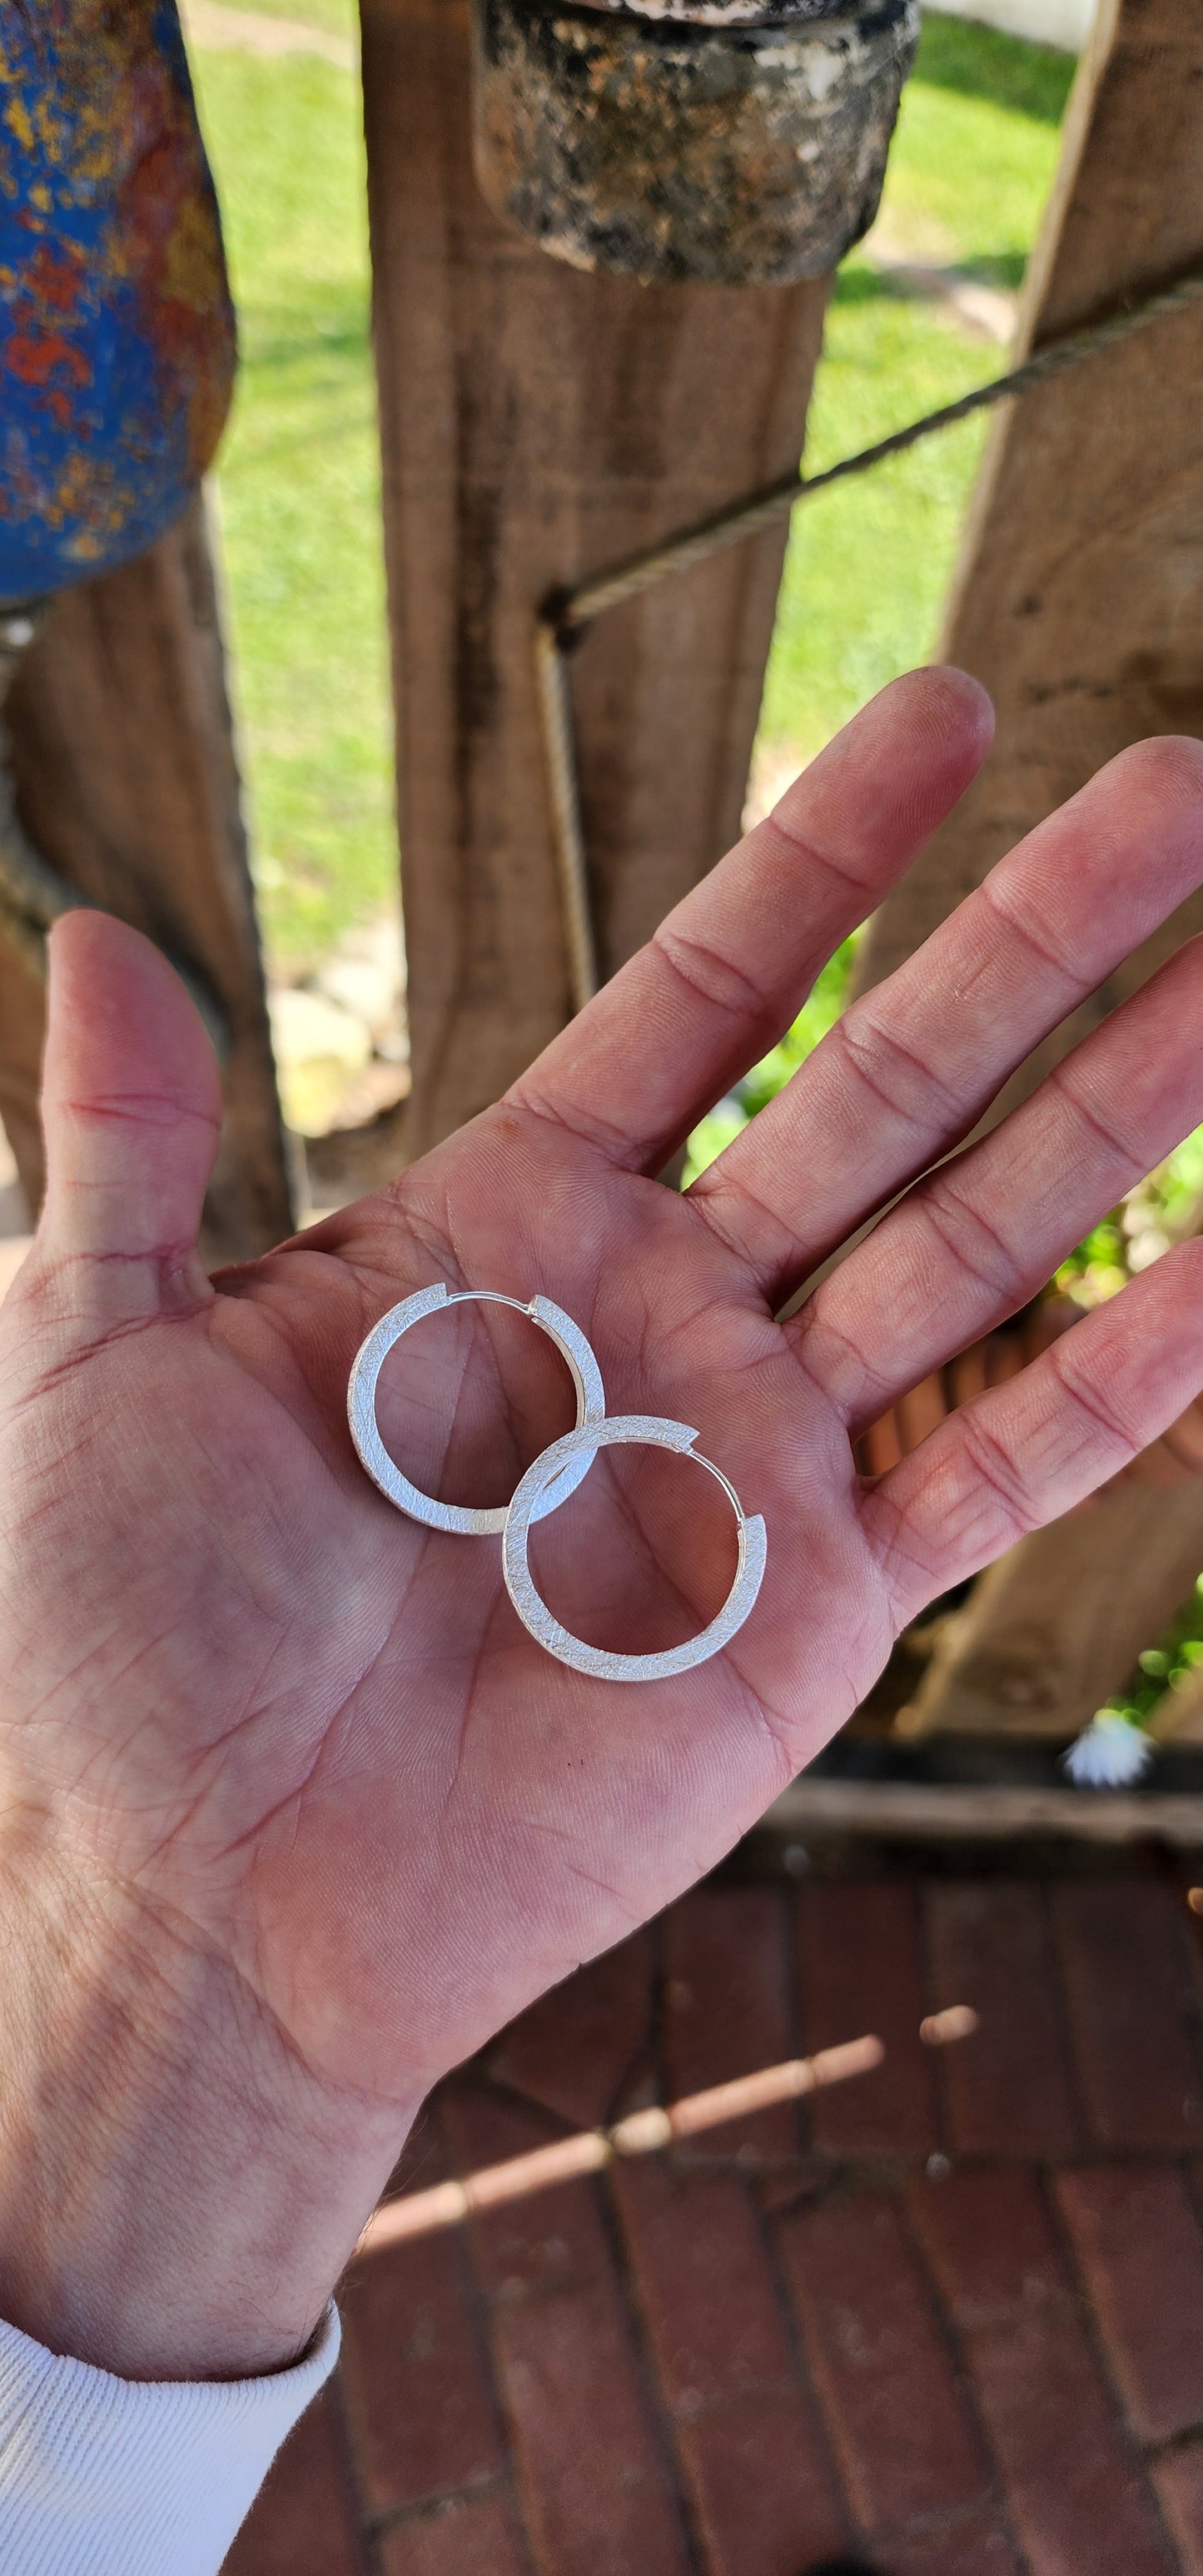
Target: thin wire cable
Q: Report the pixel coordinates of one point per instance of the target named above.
(559, 742)
(564, 615)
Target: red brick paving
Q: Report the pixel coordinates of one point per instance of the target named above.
(976, 2547)
(952, 2323)
(896, 2419)
(596, 2481)
(418, 2393)
(596, 2487)
(1138, 2241)
(572, 2050)
(861, 1968)
(518, 2247)
(1071, 2472)
(765, 2497)
(704, 2281)
(1009, 2090)
(472, 2536)
(1128, 1967)
(726, 2006)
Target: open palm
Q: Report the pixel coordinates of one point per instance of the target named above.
(295, 1755)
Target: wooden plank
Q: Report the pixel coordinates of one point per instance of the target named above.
(22, 1027)
(1051, 1631)
(897, 1810)
(1079, 600)
(539, 423)
(1079, 603)
(127, 783)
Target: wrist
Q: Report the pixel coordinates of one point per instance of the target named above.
(178, 2193)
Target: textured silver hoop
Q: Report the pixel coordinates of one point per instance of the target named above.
(637, 1430)
(458, 1517)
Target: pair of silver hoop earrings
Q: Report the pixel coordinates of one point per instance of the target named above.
(552, 1478)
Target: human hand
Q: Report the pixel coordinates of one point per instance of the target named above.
(296, 1813)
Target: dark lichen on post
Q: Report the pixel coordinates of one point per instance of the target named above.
(673, 148)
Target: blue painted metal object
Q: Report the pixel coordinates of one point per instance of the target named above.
(117, 345)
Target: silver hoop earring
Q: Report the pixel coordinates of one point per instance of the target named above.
(384, 1471)
(638, 1430)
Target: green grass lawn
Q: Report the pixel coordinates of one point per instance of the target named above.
(300, 491)
(869, 563)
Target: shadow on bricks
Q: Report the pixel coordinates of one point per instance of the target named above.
(842, 2567)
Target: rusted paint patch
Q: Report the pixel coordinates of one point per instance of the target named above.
(117, 346)
(746, 155)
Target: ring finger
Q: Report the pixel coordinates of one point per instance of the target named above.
(974, 1240)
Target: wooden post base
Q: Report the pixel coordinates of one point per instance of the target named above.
(126, 781)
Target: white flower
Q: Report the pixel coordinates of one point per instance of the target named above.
(1109, 1753)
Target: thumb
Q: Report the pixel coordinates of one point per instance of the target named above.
(131, 1105)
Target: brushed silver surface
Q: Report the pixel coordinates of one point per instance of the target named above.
(636, 1430)
(460, 1518)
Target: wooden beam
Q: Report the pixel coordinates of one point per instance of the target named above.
(126, 782)
(905, 1811)
(538, 424)
(1079, 604)
(1050, 1632)
(22, 1028)
(1078, 601)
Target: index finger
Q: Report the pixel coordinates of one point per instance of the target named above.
(729, 970)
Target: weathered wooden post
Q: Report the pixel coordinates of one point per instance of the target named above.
(542, 419)
(123, 759)
(1079, 604)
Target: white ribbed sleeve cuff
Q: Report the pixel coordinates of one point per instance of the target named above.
(117, 2477)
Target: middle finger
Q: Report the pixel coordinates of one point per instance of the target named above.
(976, 1239)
